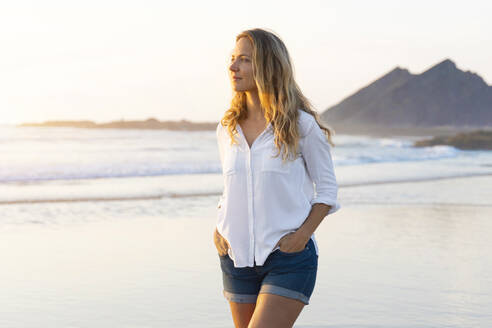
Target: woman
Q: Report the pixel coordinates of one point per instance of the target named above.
(270, 207)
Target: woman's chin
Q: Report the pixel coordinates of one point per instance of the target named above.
(239, 89)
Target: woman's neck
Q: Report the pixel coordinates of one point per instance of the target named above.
(253, 105)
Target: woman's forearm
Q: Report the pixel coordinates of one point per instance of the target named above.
(318, 212)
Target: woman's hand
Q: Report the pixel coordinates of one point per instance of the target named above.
(293, 242)
(220, 243)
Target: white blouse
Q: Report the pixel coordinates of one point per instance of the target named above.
(264, 199)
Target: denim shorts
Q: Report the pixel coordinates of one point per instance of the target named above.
(291, 275)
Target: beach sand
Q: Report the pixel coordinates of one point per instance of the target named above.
(411, 263)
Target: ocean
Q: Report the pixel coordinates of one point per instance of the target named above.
(100, 164)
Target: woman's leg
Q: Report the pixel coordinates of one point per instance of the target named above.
(275, 311)
(241, 287)
(286, 287)
(241, 313)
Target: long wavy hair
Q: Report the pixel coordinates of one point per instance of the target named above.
(280, 96)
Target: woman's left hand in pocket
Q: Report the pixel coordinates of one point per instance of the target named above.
(293, 242)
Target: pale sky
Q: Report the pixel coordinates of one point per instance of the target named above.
(107, 60)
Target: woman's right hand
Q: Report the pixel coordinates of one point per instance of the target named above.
(220, 243)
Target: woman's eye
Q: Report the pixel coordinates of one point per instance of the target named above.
(243, 59)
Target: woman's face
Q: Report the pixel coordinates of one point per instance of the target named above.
(241, 67)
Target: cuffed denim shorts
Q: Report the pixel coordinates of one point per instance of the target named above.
(291, 275)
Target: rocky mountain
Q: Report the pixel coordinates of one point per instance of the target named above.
(151, 123)
(476, 140)
(441, 96)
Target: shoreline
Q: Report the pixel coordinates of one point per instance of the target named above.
(184, 125)
(387, 132)
(177, 195)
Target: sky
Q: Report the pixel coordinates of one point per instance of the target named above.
(109, 60)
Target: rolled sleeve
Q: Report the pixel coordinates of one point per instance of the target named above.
(319, 163)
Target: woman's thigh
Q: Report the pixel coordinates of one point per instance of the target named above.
(271, 295)
(274, 311)
(286, 288)
(241, 287)
(242, 313)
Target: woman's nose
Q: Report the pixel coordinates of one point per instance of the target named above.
(233, 67)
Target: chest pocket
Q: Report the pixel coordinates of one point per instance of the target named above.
(231, 160)
(274, 164)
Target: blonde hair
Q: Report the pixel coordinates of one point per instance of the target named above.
(280, 96)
